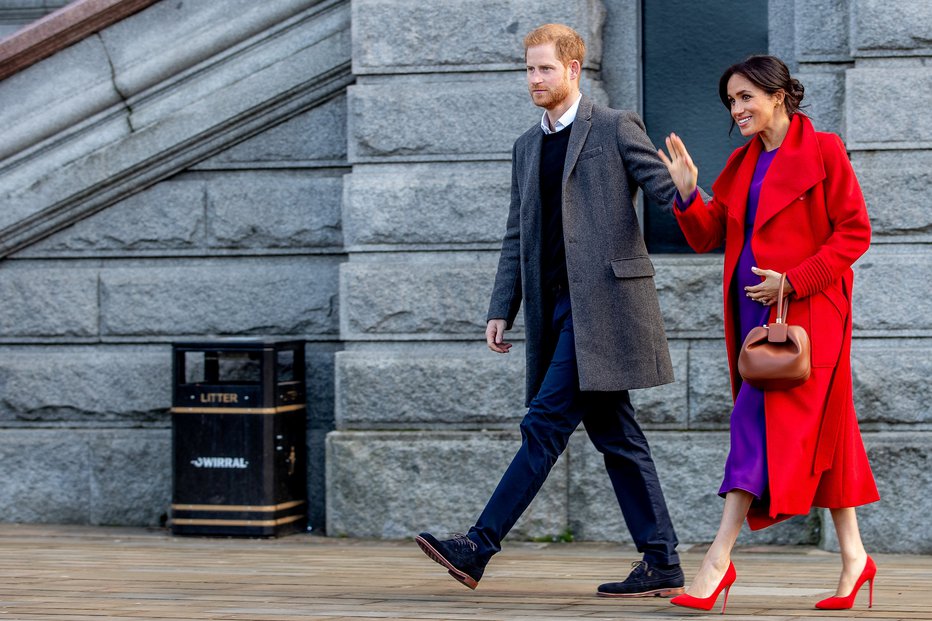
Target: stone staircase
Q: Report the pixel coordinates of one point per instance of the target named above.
(140, 102)
(176, 175)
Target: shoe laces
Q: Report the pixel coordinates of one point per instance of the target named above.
(639, 565)
(462, 540)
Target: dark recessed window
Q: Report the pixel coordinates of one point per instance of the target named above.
(687, 44)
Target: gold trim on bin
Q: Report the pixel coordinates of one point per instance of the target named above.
(276, 410)
(239, 508)
(208, 522)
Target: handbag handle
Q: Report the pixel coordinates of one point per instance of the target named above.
(782, 307)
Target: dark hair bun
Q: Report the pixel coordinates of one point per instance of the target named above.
(797, 90)
(768, 73)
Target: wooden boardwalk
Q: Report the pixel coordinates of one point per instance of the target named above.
(84, 573)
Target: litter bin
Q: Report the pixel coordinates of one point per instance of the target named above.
(239, 459)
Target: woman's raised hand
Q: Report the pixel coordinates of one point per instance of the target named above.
(684, 173)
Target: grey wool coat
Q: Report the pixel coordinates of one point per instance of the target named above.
(620, 338)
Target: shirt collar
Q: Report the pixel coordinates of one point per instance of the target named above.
(564, 121)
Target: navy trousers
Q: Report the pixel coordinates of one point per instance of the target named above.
(609, 420)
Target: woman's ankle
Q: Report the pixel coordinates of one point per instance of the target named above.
(717, 563)
(854, 558)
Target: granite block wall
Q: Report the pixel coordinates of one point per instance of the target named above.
(423, 211)
(246, 183)
(245, 241)
(431, 120)
(887, 73)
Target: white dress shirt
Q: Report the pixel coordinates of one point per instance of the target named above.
(568, 117)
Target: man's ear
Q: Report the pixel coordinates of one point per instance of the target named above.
(575, 69)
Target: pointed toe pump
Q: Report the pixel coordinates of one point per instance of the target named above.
(844, 603)
(706, 603)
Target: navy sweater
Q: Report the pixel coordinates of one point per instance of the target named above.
(552, 158)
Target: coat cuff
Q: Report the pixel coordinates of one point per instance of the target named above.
(682, 205)
(810, 277)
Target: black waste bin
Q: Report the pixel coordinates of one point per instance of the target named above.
(238, 438)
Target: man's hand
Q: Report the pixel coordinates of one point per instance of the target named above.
(494, 335)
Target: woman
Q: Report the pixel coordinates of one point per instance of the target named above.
(787, 202)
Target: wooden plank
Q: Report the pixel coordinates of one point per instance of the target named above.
(60, 573)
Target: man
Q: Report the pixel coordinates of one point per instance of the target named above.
(574, 255)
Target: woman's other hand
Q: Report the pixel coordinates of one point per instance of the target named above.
(766, 292)
(685, 174)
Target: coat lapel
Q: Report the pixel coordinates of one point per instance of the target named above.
(580, 131)
(731, 186)
(530, 206)
(797, 167)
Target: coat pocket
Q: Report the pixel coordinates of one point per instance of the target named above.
(594, 152)
(633, 267)
(827, 317)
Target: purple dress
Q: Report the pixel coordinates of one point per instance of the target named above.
(746, 466)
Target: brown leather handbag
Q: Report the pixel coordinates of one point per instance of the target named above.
(776, 356)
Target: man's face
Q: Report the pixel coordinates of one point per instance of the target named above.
(548, 79)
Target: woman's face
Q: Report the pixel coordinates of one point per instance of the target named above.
(752, 108)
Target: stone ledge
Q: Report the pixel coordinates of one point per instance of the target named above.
(386, 118)
(60, 29)
(99, 476)
(891, 181)
(395, 299)
(880, 104)
(690, 288)
(118, 385)
(316, 138)
(96, 385)
(457, 35)
(221, 297)
(690, 467)
(821, 30)
(169, 121)
(825, 96)
(55, 95)
(891, 381)
(885, 274)
(441, 386)
(394, 485)
(42, 302)
(262, 212)
(709, 385)
(903, 470)
(883, 28)
(388, 297)
(666, 406)
(426, 204)
(429, 390)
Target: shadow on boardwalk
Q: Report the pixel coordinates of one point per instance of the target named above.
(101, 574)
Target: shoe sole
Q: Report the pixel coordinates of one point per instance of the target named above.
(461, 577)
(654, 593)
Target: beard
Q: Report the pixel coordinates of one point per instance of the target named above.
(553, 97)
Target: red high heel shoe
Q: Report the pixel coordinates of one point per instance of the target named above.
(843, 603)
(706, 603)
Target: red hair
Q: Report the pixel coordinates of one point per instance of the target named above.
(569, 45)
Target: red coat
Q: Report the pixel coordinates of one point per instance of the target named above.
(812, 224)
